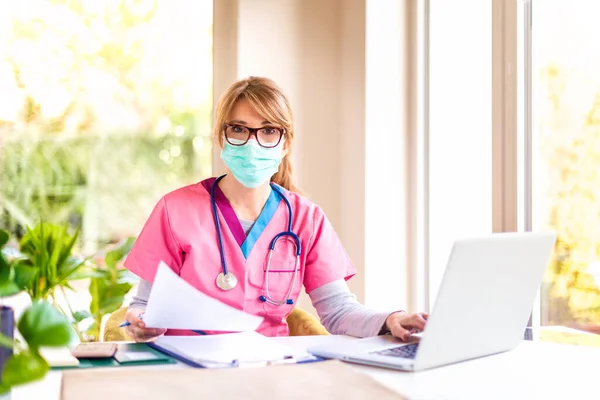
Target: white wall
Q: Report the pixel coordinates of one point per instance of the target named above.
(349, 104)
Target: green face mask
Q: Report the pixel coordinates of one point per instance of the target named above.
(251, 164)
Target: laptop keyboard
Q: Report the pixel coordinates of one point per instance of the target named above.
(406, 351)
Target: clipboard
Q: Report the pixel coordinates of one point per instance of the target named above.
(230, 350)
(233, 364)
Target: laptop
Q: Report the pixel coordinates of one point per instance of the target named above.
(482, 306)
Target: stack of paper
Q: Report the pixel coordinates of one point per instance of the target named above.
(59, 356)
(175, 304)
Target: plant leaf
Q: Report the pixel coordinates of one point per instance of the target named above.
(4, 236)
(5, 266)
(8, 288)
(43, 325)
(24, 367)
(83, 272)
(119, 252)
(68, 267)
(79, 316)
(124, 275)
(70, 264)
(7, 342)
(5, 269)
(4, 389)
(24, 275)
(107, 296)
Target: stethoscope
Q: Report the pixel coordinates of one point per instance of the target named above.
(227, 280)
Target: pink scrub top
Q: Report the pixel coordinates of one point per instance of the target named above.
(181, 232)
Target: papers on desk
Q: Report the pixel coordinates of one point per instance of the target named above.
(59, 356)
(175, 304)
(230, 350)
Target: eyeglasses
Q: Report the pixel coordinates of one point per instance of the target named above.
(238, 135)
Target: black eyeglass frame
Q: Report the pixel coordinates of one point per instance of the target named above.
(251, 132)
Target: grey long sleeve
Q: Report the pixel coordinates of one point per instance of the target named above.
(337, 307)
(342, 314)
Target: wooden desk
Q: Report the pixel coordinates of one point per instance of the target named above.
(532, 371)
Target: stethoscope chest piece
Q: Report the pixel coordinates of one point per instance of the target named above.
(226, 282)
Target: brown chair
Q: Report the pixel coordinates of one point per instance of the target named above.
(300, 322)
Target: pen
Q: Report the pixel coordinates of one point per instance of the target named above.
(127, 323)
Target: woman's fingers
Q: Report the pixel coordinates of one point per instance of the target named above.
(137, 328)
(418, 321)
(133, 316)
(403, 325)
(144, 334)
(399, 332)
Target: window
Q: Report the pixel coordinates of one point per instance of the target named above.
(565, 154)
(104, 107)
(460, 128)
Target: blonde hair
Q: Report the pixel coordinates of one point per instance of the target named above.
(272, 104)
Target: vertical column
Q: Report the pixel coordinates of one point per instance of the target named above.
(386, 173)
(352, 140)
(225, 58)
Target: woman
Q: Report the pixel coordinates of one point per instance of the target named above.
(254, 128)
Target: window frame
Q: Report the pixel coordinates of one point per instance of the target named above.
(506, 195)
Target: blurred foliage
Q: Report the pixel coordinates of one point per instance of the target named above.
(574, 338)
(570, 146)
(40, 325)
(104, 109)
(115, 180)
(109, 284)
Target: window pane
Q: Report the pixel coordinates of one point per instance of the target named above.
(460, 137)
(105, 106)
(566, 155)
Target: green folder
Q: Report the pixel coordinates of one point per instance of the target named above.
(128, 354)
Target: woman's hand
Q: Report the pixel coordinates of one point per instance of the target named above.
(137, 329)
(402, 324)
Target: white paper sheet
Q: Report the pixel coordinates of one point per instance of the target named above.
(245, 347)
(174, 304)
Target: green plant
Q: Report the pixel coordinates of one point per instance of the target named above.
(47, 263)
(109, 285)
(40, 325)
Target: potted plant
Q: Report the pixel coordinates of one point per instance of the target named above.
(109, 285)
(47, 267)
(40, 325)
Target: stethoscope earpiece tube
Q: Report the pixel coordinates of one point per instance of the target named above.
(227, 280)
(217, 224)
